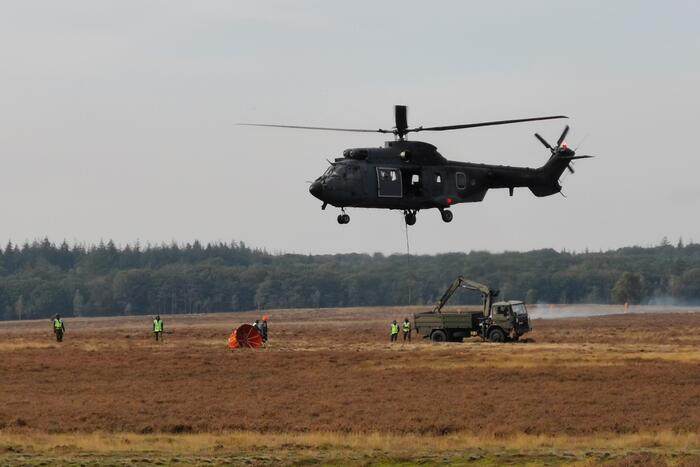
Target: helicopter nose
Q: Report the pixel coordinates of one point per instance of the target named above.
(316, 189)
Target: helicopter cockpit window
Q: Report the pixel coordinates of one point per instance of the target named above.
(328, 171)
(461, 180)
(354, 172)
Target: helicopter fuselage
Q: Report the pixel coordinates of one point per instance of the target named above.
(413, 175)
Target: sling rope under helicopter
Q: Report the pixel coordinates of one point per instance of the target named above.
(408, 259)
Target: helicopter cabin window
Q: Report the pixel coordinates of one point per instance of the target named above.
(461, 180)
(389, 182)
(438, 178)
(387, 175)
(415, 179)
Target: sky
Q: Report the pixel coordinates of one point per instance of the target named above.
(118, 118)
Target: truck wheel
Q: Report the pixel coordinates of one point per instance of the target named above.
(438, 336)
(496, 335)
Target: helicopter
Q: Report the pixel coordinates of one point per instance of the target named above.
(412, 175)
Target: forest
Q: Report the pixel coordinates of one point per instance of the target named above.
(39, 279)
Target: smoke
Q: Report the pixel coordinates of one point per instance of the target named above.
(667, 300)
(550, 311)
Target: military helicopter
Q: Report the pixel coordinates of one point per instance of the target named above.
(413, 175)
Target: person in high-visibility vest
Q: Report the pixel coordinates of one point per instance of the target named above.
(406, 330)
(394, 331)
(158, 328)
(58, 328)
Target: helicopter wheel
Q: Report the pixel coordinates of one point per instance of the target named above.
(446, 215)
(410, 218)
(343, 219)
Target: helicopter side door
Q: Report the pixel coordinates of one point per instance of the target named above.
(389, 182)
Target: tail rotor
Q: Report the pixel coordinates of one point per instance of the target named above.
(561, 151)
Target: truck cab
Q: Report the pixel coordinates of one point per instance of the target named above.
(511, 317)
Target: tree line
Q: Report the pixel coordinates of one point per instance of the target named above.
(41, 278)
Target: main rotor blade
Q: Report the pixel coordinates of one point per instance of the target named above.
(474, 125)
(563, 135)
(360, 130)
(543, 141)
(400, 118)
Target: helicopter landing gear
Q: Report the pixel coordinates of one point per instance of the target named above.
(343, 218)
(446, 215)
(409, 217)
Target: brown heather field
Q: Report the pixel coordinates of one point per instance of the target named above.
(330, 389)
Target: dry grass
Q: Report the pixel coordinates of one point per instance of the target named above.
(101, 442)
(663, 448)
(330, 386)
(23, 344)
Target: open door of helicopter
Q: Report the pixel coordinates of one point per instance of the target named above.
(412, 183)
(389, 182)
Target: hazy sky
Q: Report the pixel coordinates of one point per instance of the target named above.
(117, 119)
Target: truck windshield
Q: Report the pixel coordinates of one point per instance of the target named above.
(519, 309)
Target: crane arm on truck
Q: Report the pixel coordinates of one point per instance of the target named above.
(487, 294)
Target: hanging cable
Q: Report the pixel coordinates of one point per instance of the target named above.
(408, 260)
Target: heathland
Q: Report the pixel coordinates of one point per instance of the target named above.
(615, 389)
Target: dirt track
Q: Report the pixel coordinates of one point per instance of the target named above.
(334, 370)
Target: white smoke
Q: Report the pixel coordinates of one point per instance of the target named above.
(552, 311)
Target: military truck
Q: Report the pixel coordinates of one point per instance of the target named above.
(497, 322)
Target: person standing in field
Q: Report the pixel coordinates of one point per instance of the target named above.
(263, 331)
(394, 331)
(406, 330)
(158, 328)
(58, 328)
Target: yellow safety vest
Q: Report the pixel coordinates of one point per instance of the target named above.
(406, 326)
(157, 325)
(394, 328)
(57, 324)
